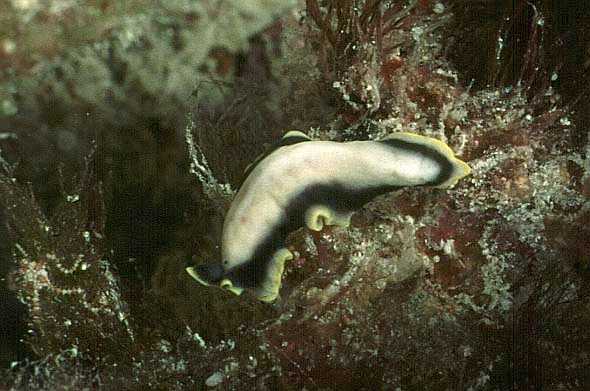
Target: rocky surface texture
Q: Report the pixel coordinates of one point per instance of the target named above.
(481, 287)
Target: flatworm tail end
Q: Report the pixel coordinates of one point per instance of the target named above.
(452, 168)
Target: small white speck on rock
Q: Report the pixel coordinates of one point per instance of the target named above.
(214, 380)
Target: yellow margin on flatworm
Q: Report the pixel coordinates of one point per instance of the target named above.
(193, 273)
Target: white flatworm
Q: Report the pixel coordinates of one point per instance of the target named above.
(313, 184)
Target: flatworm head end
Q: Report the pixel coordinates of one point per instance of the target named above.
(212, 274)
(261, 276)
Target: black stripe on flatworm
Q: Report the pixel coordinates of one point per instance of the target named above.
(444, 162)
(210, 272)
(339, 198)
